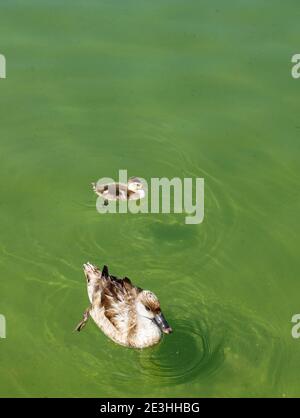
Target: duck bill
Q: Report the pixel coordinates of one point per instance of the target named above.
(162, 323)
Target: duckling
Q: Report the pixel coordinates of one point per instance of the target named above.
(128, 315)
(133, 190)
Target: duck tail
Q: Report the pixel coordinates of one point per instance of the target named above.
(91, 272)
(105, 273)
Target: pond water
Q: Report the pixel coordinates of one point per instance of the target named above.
(162, 89)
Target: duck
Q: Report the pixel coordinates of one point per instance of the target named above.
(127, 314)
(133, 190)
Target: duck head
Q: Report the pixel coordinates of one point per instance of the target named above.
(148, 306)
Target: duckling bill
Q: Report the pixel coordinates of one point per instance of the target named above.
(128, 315)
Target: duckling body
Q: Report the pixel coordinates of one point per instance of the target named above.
(133, 190)
(127, 314)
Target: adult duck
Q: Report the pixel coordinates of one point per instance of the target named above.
(127, 314)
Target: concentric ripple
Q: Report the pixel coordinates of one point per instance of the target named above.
(182, 357)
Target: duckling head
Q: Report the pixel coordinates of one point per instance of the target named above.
(148, 306)
(134, 184)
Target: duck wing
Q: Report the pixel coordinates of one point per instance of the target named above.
(117, 299)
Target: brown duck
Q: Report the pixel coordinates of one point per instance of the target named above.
(127, 314)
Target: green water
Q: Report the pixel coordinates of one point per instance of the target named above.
(160, 88)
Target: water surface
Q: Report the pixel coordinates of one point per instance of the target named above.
(160, 88)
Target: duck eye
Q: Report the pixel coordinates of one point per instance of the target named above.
(147, 308)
